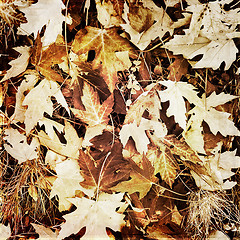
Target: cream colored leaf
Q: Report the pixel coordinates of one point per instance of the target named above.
(44, 233)
(18, 65)
(95, 216)
(216, 120)
(67, 182)
(174, 94)
(43, 13)
(70, 149)
(38, 101)
(221, 165)
(17, 146)
(5, 232)
(26, 85)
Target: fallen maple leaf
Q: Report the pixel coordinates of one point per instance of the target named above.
(220, 165)
(163, 163)
(67, 182)
(210, 34)
(139, 135)
(39, 101)
(5, 232)
(105, 42)
(18, 147)
(43, 13)
(45, 59)
(141, 180)
(216, 120)
(72, 146)
(106, 172)
(90, 214)
(174, 94)
(44, 233)
(18, 65)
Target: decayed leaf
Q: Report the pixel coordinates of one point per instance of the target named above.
(18, 147)
(220, 165)
(141, 179)
(44, 59)
(67, 182)
(174, 94)
(44, 233)
(72, 146)
(26, 85)
(105, 42)
(90, 214)
(105, 173)
(5, 232)
(18, 65)
(39, 101)
(210, 34)
(163, 163)
(216, 120)
(42, 13)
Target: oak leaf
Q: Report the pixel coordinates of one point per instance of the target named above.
(45, 58)
(17, 146)
(105, 42)
(90, 214)
(38, 102)
(18, 65)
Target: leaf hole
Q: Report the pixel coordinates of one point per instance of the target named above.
(91, 55)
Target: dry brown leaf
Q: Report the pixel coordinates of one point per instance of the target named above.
(45, 59)
(105, 42)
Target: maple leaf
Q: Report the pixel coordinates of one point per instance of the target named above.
(220, 165)
(45, 59)
(210, 34)
(90, 213)
(39, 101)
(216, 120)
(95, 113)
(105, 42)
(141, 179)
(5, 231)
(162, 24)
(18, 147)
(72, 146)
(139, 135)
(44, 233)
(109, 170)
(26, 85)
(42, 13)
(174, 94)
(67, 182)
(163, 163)
(18, 65)
(147, 101)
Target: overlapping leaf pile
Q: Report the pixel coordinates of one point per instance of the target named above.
(119, 119)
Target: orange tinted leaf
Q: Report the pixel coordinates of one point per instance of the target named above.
(105, 42)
